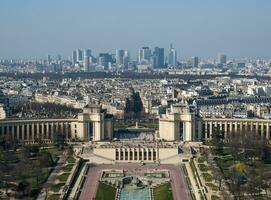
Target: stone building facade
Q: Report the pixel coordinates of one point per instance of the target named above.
(180, 124)
(93, 124)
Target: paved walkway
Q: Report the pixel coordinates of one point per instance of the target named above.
(193, 181)
(177, 179)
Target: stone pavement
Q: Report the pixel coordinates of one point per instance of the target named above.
(178, 184)
(193, 181)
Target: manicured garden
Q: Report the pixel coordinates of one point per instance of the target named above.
(163, 192)
(53, 197)
(105, 192)
(68, 168)
(56, 187)
(63, 177)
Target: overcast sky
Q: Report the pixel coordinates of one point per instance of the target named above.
(35, 28)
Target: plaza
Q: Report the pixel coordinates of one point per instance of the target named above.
(175, 178)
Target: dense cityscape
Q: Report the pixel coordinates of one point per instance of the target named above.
(111, 121)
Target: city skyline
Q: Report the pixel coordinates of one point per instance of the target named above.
(35, 29)
(129, 100)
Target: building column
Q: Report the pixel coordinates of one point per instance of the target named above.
(251, 126)
(32, 131)
(97, 130)
(226, 130)
(262, 131)
(199, 124)
(66, 125)
(267, 131)
(206, 131)
(236, 127)
(47, 131)
(257, 128)
(23, 132)
(128, 150)
(52, 131)
(38, 131)
(213, 125)
(246, 125)
(123, 151)
(12, 131)
(27, 132)
(61, 127)
(230, 127)
(241, 127)
(18, 131)
(211, 130)
(43, 133)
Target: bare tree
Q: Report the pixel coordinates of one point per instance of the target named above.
(218, 176)
(234, 144)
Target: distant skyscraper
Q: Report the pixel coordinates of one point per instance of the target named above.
(195, 62)
(74, 57)
(172, 57)
(49, 60)
(119, 57)
(87, 52)
(144, 55)
(79, 55)
(222, 58)
(158, 57)
(126, 59)
(104, 60)
(87, 55)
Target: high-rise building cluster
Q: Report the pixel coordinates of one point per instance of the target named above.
(121, 59)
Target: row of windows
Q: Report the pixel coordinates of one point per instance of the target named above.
(136, 155)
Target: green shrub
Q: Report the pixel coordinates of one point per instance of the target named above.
(207, 177)
(203, 167)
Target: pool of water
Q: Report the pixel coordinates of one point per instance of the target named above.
(130, 193)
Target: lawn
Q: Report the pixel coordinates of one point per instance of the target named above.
(63, 177)
(71, 160)
(55, 153)
(53, 197)
(212, 186)
(214, 197)
(163, 192)
(150, 125)
(122, 125)
(57, 187)
(105, 192)
(68, 168)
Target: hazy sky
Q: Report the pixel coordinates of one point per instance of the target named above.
(35, 28)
